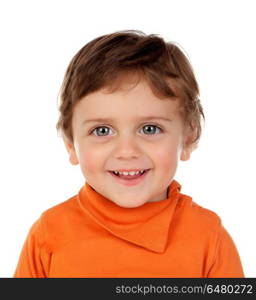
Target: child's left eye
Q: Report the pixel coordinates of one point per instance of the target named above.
(151, 129)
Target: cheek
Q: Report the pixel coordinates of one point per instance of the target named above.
(166, 155)
(90, 159)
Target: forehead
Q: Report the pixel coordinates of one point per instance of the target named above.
(132, 99)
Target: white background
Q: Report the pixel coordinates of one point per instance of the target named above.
(38, 40)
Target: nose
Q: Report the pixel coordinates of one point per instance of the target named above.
(127, 147)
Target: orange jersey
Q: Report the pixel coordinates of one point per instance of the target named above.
(90, 236)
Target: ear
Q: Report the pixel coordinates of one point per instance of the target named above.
(188, 146)
(71, 151)
(185, 153)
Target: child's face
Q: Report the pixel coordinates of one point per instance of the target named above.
(128, 141)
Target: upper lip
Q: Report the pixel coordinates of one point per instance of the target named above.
(131, 170)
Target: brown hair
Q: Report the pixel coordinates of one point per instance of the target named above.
(103, 60)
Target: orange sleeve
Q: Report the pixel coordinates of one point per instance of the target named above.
(227, 263)
(33, 258)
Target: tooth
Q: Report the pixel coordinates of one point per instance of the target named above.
(132, 173)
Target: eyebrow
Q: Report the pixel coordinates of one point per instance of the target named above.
(111, 120)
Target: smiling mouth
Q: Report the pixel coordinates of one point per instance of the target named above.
(129, 177)
(130, 180)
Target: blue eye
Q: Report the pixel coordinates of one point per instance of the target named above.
(103, 130)
(149, 128)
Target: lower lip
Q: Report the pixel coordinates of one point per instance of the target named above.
(130, 182)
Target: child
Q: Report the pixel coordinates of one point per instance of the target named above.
(129, 219)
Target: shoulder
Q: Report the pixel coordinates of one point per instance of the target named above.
(54, 214)
(54, 226)
(198, 216)
(60, 216)
(60, 208)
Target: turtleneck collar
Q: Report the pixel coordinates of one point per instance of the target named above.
(146, 225)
